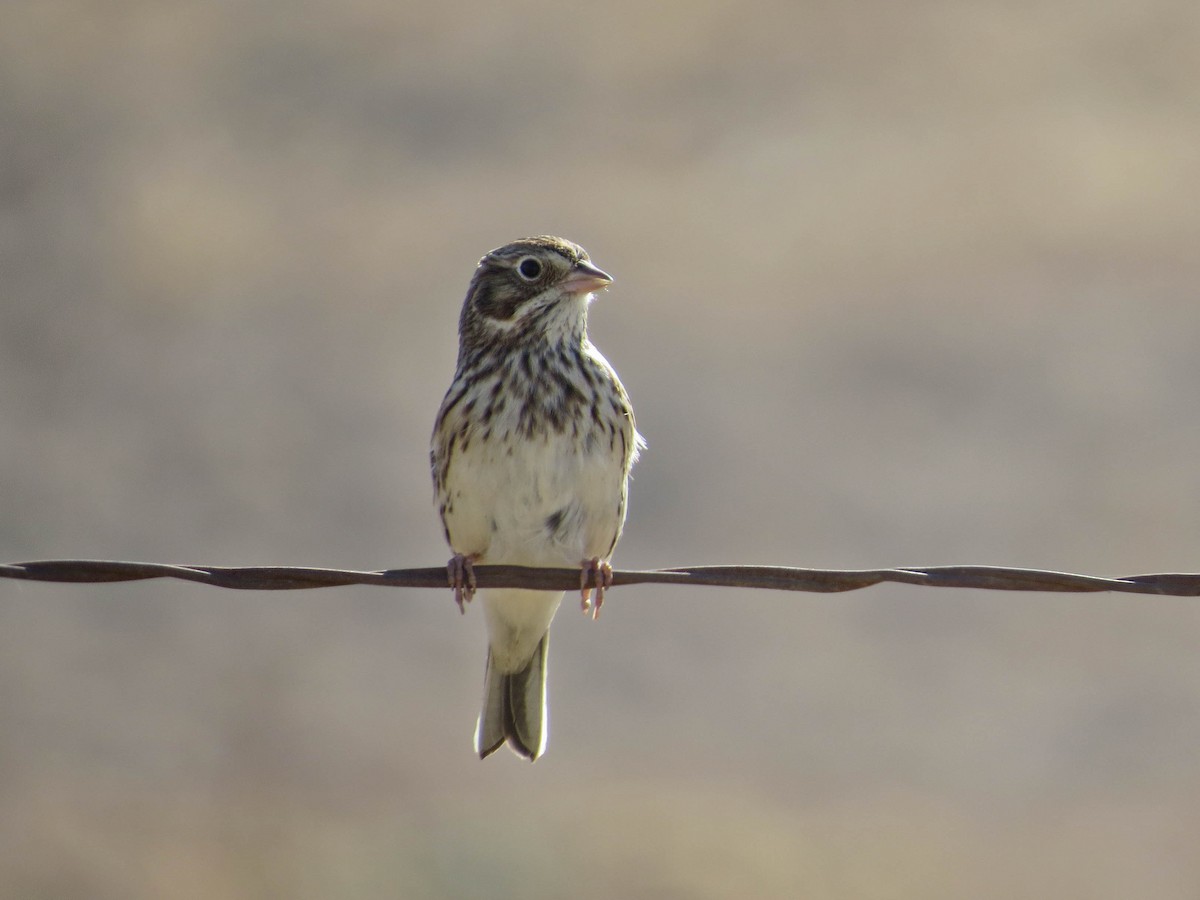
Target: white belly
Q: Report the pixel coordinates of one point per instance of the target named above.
(534, 502)
(535, 506)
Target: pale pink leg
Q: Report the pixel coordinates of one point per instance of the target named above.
(461, 573)
(594, 569)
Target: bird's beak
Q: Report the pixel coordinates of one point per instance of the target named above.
(585, 278)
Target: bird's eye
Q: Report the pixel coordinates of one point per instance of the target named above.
(529, 268)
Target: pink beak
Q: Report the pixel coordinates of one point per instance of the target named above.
(585, 278)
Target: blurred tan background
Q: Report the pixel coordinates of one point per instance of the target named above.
(897, 284)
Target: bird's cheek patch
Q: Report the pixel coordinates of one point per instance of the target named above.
(495, 302)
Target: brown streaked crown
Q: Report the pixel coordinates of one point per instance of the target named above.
(509, 277)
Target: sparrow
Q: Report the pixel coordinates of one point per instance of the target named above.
(531, 453)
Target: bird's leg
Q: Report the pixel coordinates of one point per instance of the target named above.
(461, 574)
(600, 572)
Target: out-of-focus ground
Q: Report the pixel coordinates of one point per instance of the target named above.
(897, 284)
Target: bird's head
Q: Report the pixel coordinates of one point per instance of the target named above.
(534, 289)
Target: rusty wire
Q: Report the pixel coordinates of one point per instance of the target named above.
(781, 578)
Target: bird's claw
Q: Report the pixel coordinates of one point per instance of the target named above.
(598, 572)
(460, 572)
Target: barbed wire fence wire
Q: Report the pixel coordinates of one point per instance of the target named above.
(778, 578)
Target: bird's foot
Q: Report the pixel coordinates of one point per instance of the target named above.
(461, 574)
(598, 572)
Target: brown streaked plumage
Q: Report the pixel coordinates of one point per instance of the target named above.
(531, 454)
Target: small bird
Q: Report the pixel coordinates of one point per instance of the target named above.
(531, 454)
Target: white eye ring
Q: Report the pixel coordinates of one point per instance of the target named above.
(530, 268)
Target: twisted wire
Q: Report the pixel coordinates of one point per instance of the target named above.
(779, 578)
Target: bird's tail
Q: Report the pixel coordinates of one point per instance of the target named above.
(514, 708)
